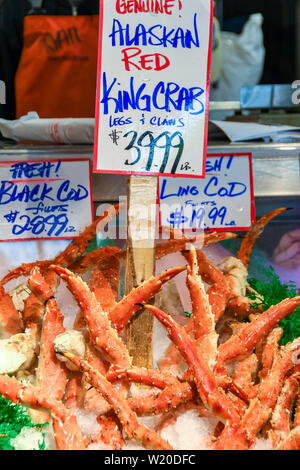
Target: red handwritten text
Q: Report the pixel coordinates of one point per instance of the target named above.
(146, 62)
(145, 6)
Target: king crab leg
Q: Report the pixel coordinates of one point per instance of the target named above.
(128, 419)
(122, 313)
(211, 396)
(51, 373)
(10, 321)
(261, 406)
(254, 233)
(68, 435)
(203, 319)
(240, 346)
(281, 417)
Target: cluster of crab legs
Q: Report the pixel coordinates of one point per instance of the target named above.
(248, 381)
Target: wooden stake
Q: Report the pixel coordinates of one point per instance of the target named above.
(140, 262)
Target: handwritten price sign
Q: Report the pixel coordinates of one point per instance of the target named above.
(224, 200)
(153, 82)
(44, 200)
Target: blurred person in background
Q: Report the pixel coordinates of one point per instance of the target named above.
(48, 57)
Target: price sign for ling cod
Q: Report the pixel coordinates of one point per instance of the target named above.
(153, 82)
(224, 200)
(49, 199)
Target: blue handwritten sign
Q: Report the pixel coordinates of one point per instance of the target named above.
(44, 199)
(153, 86)
(223, 200)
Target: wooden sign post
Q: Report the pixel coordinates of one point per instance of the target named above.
(151, 116)
(140, 261)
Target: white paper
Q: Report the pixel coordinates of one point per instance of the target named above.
(60, 131)
(243, 131)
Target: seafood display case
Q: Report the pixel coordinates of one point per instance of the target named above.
(276, 254)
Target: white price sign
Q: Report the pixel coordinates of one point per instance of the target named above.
(153, 87)
(224, 200)
(45, 199)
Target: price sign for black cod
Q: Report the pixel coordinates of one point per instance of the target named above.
(153, 82)
(48, 199)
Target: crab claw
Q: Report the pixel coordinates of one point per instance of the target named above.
(122, 313)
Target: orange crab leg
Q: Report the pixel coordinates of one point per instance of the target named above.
(51, 373)
(292, 442)
(10, 321)
(204, 322)
(122, 313)
(74, 394)
(110, 434)
(261, 407)
(270, 352)
(172, 246)
(92, 259)
(204, 378)
(218, 293)
(170, 398)
(151, 378)
(105, 283)
(103, 336)
(254, 233)
(127, 417)
(244, 373)
(241, 345)
(68, 435)
(297, 412)
(281, 416)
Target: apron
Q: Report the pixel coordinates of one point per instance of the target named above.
(56, 76)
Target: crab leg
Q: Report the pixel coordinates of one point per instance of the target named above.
(205, 380)
(127, 417)
(219, 292)
(107, 253)
(244, 372)
(281, 416)
(261, 406)
(74, 394)
(151, 378)
(172, 246)
(122, 313)
(110, 434)
(241, 345)
(103, 336)
(10, 321)
(254, 233)
(105, 284)
(170, 398)
(297, 412)
(292, 442)
(68, 435)
(51, 373)
(204, 322)
(270, 352)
